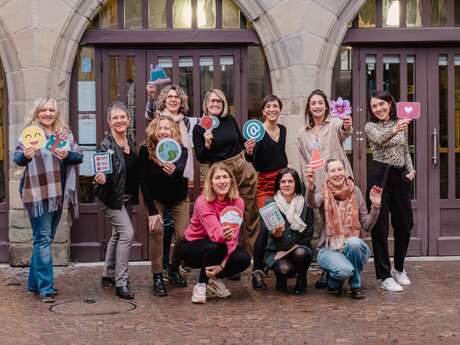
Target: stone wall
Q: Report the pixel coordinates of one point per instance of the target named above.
(39, 41)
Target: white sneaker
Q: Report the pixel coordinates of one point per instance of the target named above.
(217, 288)
(199, 293)
(390, 285)
(400, 277)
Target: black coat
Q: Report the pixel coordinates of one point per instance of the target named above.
(111, 193)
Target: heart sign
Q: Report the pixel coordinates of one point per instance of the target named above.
(408, 110)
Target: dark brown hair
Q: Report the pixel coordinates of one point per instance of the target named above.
(384, 96)
(308, 116)
(270, 98)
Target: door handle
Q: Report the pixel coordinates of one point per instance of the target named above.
(434, 137)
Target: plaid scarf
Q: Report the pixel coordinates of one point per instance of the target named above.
(42, 191)
(342, 219)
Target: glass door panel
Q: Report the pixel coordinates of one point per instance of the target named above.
(391, 75)
(206, 75)
(227, 80)
(130, 78)
(443, 126)
(186, 81)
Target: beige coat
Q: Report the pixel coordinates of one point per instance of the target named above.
(331, 138)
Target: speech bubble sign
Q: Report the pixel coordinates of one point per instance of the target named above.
(253, 129)
(408, 110)
(232, 216)
(168, 150)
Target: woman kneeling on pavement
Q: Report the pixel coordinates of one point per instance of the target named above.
(208, 244)
(164, 186)
(343, 254)
(289, 251)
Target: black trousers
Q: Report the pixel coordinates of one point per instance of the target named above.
(204, 253)
(259, 249)
(295, 263)
(395, 201)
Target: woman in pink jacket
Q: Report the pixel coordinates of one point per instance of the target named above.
(208, 244)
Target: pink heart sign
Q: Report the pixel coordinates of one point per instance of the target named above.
(408, 110)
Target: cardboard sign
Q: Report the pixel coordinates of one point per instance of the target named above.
(101, 162)
(271, 216)
(340, 108)
(168, 150)
(209, 122)
(33, 136)
(57, 141)
(158, 76)
(408, 110)
(253, 129)
(316, 162)
(231, 215)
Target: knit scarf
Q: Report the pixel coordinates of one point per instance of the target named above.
(179, 119)
(341, 211)
(42, 191)
(292, 210)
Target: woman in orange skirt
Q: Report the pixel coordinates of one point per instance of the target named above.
(268, 157)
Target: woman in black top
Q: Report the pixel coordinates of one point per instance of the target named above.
(164, 186)
(225, 144)
(268, 157)
(118, 192)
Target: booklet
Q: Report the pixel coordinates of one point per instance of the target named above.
(271, 216)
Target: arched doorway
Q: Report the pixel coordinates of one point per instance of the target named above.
(412, 49)
(200, 44)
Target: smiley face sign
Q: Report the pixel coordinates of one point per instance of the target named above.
(33, 136)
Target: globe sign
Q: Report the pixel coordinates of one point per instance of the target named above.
(168, 150)
(253, 129)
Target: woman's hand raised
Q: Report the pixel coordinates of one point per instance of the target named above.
(375, 195)
(208, 139)
(228, 232)
(278, 231)
(100, 178)
(310, 177)
(249, 146)
(168, 168)
(401, 125)
(347, 122)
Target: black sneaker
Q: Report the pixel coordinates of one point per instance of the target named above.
(176, 279)
(357, 293)
(49, 298)
(321, 283)
(258, 280)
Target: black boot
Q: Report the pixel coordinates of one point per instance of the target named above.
(281, 284)
(258, 280)
(159, 288)
(175, 278)
(300, 285)
(123, 292)
(108, 282)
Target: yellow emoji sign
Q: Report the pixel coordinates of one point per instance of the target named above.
(33, 136)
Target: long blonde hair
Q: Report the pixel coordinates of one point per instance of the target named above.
(208, 191)
(219, 94)
(183, 108)
(151, 140)
(59, 123)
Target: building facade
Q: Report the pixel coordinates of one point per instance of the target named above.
(87, 53)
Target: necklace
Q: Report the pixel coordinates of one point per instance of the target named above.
(124, 145)
(274, 133)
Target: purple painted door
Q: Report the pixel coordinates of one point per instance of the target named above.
(122, 75)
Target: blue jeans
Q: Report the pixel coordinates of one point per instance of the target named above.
(41, 277)
(344, 265)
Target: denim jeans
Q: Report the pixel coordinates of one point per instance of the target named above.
(344, 265)
(41, 276)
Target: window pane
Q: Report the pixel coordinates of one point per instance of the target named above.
(226, 67)
(258, 86)
(457, 126)
(3, 107)
(414, 13)
(390, 12)
(108, 17)
(130, 66)
(443, 129)
(186, 81)
(410, 60)
(230, 15)
(457, 12)
(366, 15)
(371, 86)
(114, 79)
(391, 75)
(206, 75)
(157, 14)
(133, 14)
(206, 10)
(438, 13)
(182, 14)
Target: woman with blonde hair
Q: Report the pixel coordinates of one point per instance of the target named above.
(47, 186)
(225, 145)
(164, 186)
(210, 245)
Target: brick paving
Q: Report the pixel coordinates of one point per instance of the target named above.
(428, 312)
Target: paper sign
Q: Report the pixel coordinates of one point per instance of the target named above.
(232, 216)
(86, 64)
(57, 141)
(253, 129)
(102, 162)
(86, 96)
(206, 122)
(168, 150)
(158, 76)
(87, 129)
(271, 216)
(340, 108)
(408, 110)
(33, 136)
(316, 162)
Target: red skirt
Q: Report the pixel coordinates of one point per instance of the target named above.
(265, 186)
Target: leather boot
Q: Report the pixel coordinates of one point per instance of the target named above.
(175, 278)
(300, 285)
(124, 292)
(281, 284)
(159, 288)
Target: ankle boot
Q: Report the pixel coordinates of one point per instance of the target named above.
(175, 278)
(300, 285)
(281, 284)
(159, 288)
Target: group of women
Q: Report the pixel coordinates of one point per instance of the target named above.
(244, 174)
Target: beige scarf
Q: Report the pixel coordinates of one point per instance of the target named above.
(342, 219)
(292, 211)
(179, 119)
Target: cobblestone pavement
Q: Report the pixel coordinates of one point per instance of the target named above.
(428, 312)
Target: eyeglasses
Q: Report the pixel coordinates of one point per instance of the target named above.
(218, 101)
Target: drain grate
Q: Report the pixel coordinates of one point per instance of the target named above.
(88, 306)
